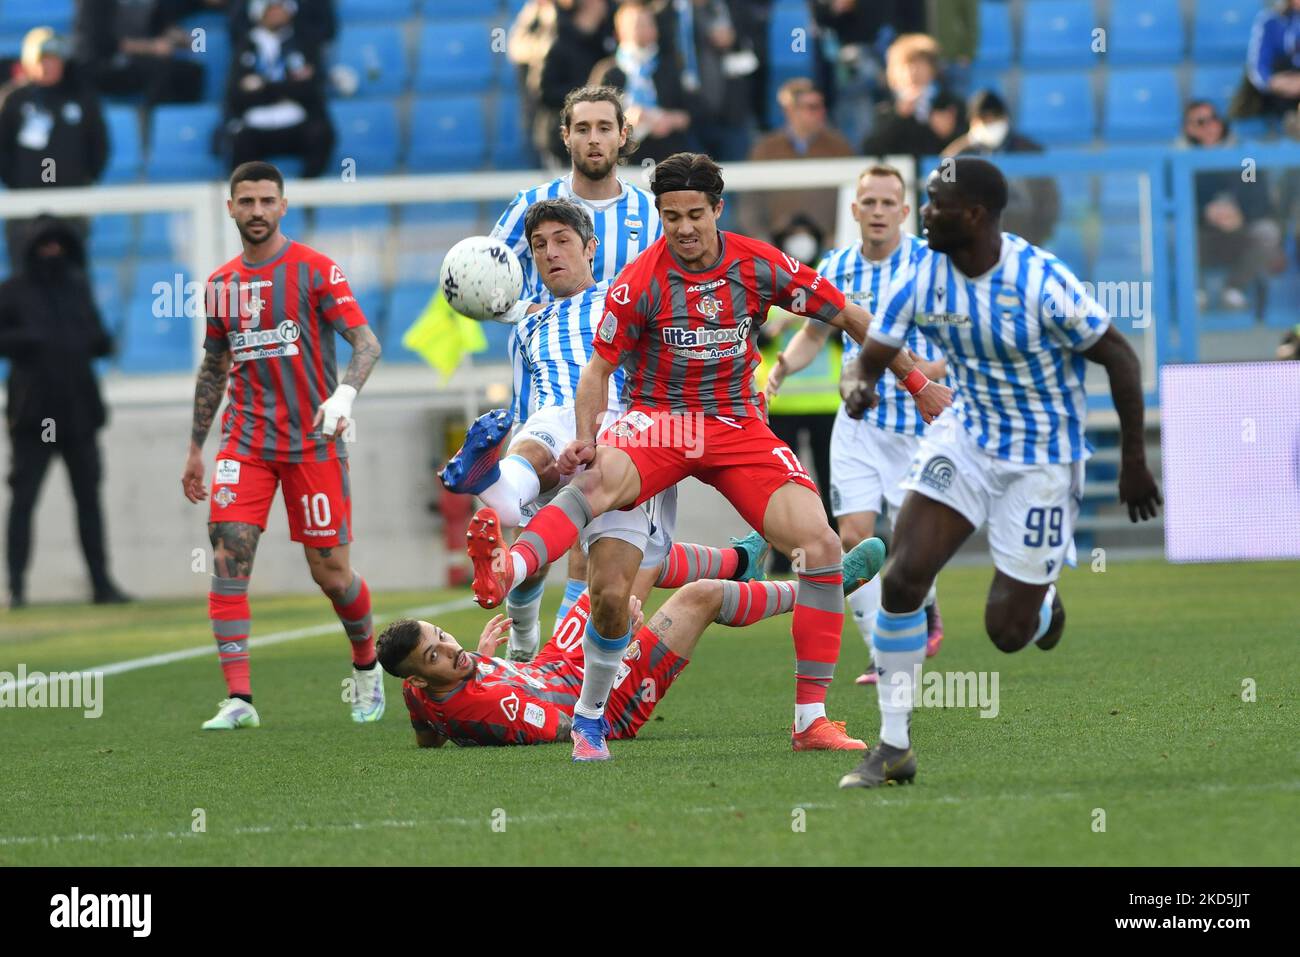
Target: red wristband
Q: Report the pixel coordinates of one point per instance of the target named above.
(915, 381)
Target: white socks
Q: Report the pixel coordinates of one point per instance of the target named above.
(806, 714)
(517, 486)
(602, 657)
(523, 605)
(864, 603)
(899, 650)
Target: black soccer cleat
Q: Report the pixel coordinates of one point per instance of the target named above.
(884, 764)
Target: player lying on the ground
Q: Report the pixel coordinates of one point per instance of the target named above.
(472, 698)
(624, 219)
(1017, 327)
(680, 319)
(272, 315)
(870, 456)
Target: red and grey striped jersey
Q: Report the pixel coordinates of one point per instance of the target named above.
(278, 319)
(687, 339)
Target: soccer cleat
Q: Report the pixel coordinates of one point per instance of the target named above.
(1047, 643)
(588, 736)
(490, 557)
(367, 694)
(826, 735)
(233, 713)
(756, 547)
(884, 764)
(474, 466)
(863, 563)
(934, 628)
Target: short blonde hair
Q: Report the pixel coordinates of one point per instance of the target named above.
(789, 92)
(905, 49)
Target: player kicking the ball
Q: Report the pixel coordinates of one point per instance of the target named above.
(870, 456)
(472, 698)
(272, 315)
(681, 318)
(1016, 327)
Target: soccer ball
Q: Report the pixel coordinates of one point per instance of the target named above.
(481, 278)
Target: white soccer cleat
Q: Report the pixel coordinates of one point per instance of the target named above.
(232, 714)
(367, 694)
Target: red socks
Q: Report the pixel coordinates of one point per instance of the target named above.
(816, 626)
(744, 603)
(231, 622)
(353, 610)
(687, 563)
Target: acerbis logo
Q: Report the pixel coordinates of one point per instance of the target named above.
(621, 294)
(938, 473)
(336, 276)
(790, 261)
(706, 286)
(675, 336)
(510, 705)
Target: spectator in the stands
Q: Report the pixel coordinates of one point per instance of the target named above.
(1273, 58)
(920, 117)
(1237, 225)
(955, 26)
(716, 72)
(584, 35)
(650, 77)
(529, 40)
(51, 128)
(275, 99)
(805, 135)
(753, 22)
(1033, 203)
(131, 48)
(50, 330)
(315, 26)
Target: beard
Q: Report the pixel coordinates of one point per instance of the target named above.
(245, 231)
(593, 168)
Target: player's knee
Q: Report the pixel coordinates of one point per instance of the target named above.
(703, 597)
(609, 606)
(821, 549)
(333, 582)
(1008, 628)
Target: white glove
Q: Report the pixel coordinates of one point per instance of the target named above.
(338, 406)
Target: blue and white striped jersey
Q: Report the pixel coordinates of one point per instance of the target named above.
(625, 226)
(1012, 338)
(550, 348)
(866, 283)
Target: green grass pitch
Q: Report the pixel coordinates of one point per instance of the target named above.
(1139, 713)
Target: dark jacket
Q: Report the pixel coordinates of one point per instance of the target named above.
(310, 93)
(99, 28)
(63, 122)
(50, 330)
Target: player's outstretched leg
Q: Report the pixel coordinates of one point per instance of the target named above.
(522, 606)
(1019, 614)
(687, 562)
(234, 544)
(475, 465)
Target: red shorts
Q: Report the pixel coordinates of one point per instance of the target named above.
(648, 670)
(742, 458)
(317, 496)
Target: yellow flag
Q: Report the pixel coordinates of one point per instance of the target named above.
(442, 336)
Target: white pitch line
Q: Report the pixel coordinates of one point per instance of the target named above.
(275, 638)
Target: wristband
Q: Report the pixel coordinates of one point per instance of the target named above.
(915, 381)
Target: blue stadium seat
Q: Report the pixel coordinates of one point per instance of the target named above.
(125, 152)
(1076, 196)
(180, 142)
(1121, 196)
(1056, 108)
(152, 343)
(446, 9)
(378, 55)
(156, 234)
(405, 303)
(352, 217)
(1067, 245)
(367, 132)
(1058, 33)
(112, 236)
(465, 211)
(447, 133)
(149, 271)
(420, 264)
(1216, 84)
(1146, 32)
(1142, 106)
(455, 55)
(216, 53)
(790, 41)
(19, 16)
(508, 151)
(352, 11)
(996, 46)
(11, 45)
(1119, 252)
(999, 81)
(1221, 30)
(294, 222)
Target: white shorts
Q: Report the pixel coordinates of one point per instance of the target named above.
(1031, 510)
(868, 465)
(553, 426)
(649, 527)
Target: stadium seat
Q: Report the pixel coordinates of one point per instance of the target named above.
(1119, 252)
(125, 151)
(180, 142)
(1216, 84)
(508, 150)
(377, 54)
(1221, 30)
(11, 45)
(294, 222)
(420, 265)
(353, 11)
(790, 41)
(462, 212)
(352, 217)
(19, 16)
(1142, 106)
(1121, 196)
(158, 235)
(405, 303)
(215, 54)
(995, 39)
(999, 81)
(368, 133)
(455, 55)
(1058, 33)
(1146, 32)
(447, 9)
(1056, 108)
(1076, 195)
(106, 282)
(150, 343)
(1067, 245)
(112, 237)
(447, 133)
(1282, 295)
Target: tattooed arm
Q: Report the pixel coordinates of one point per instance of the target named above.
(208, 390)
(333, 415)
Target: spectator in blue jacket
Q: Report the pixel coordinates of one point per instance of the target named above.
(1273, 58)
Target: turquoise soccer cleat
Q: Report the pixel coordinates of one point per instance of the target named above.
(756, 547)
(863, 563)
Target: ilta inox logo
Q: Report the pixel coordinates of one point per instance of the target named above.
(59, 689)
(945, 689)
(73, 910)
(675, 336)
